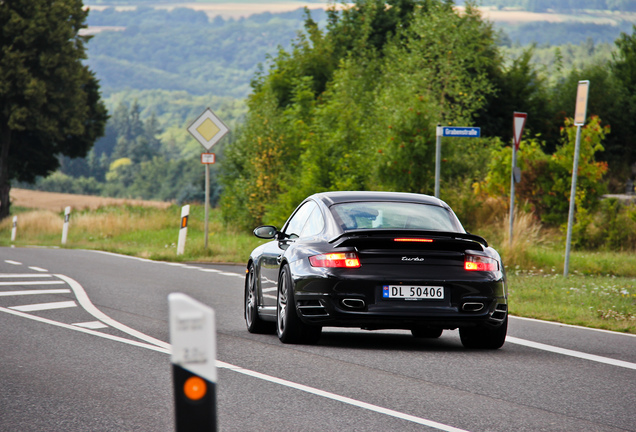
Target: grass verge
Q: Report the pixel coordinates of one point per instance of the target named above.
(600, 291)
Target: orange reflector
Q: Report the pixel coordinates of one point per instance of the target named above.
(184, 222)
(414, 240)
(195, 388)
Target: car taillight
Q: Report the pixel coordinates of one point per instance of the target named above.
(480, 263)
(413, 240)
(339, 259)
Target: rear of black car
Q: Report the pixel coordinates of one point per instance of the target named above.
(404, 279)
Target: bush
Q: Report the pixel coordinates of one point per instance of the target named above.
(547, 179)
(612, 227)
(59, 182)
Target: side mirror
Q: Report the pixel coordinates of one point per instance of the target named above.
(266, 232)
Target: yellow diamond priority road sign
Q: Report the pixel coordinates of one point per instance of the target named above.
(208, 129)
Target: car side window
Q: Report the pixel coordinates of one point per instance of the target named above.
(299, 219)
(314, 224)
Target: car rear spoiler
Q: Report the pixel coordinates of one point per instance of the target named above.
(376, 234)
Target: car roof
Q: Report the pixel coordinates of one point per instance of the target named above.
(330, 198)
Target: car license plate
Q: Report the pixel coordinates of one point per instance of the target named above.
(413, 292)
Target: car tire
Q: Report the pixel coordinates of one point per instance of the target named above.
(483, 337)
(426, 332)
(254, 323)
(289, 327)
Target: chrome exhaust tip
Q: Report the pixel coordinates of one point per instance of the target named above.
(472, 307)
(353, 303)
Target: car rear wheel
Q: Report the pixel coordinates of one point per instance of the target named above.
(426, 332)
(289, 327)
(484, 337)
(253, 321)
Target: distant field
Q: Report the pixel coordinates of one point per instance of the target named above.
(238, 9)
(59, 201)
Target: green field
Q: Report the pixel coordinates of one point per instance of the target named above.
(600, 291)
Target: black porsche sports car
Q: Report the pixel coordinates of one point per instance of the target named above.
(375, 260)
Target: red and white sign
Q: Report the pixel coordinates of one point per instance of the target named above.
(208, 158)
(518, 125)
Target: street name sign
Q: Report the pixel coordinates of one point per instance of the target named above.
(450, 131)
(457, 131)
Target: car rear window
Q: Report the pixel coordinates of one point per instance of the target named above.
(394, 215)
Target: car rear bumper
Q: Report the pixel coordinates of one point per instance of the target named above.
(359, 303)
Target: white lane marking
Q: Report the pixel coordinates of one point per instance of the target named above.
(33, 292)
(88, 331)
(24, 275)
(573, 326)
(231, 274)
(91, 325)
(336, 397)
(172, 264)
(571, 353)
(22, 283)
(86, 303)
(269, 289)
(44, 306)
(38, 269)
(124, 256)
(12, 262)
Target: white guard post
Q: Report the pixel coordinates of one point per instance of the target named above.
(67, 218)
(194, 375)
(183, 231)
(14, 228)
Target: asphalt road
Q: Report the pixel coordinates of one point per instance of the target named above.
(93, 355)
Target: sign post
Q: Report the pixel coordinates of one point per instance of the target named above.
(194, 374)
(208, 129)
(579, 120)
(518, 123)
(449, 131)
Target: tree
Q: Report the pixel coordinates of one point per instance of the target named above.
(49, 101)
(355, 106)
(624, 69)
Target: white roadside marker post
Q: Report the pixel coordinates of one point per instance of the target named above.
(194, 374)
(67, 218)
(183, 231)
(14, 229)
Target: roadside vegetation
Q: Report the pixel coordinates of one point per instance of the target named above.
(600, 291)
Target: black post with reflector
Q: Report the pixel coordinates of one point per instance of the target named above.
(193, 339)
